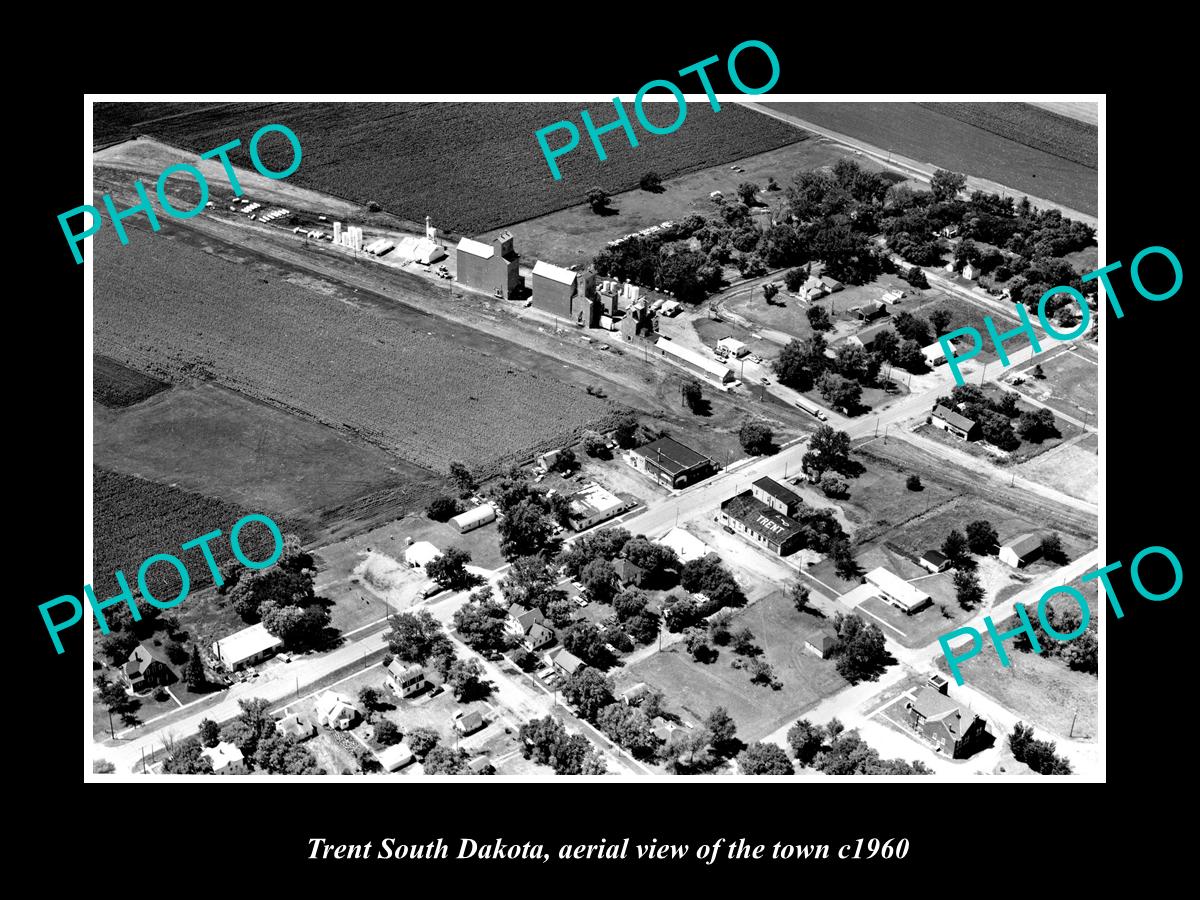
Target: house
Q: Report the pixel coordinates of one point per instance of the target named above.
(539, 635)
(492, 268)
(395, 757)
(146, 668)
(686, 545)
(949, 231)
(593, 505)
(633, 695)
(694, 362)
(226, 759)
(522, 618)
(821, 643)
(1022, 550)
(295, 727)
(934, 354)
(892, 297)
(971, 272)
(733, 347)
(780, 498)
(671, 463)
(866, 337)
(629, 574)
(955, 423)
(759, 522)
(246, 647)
(467, 722)
(869, 311)
(896, 591)
(420, 554)
(481, 765)
(405, 679)
(474, 518)
(566, 663)
(336, 710)
(831, 284)
(934, 560)
(940, 720)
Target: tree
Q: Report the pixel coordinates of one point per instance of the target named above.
(857, 364)
(651, 181)
(1038, 372)
(565, 461)
(278, 586)
(546, 742)
(947, 185)
(723, 731)
(939, 319)
(284, 755)
(465, 680)
(117, 645)
(415, 637)
(698, 646)
(845, 565)
(1038, 755)
(756, 438)
(916, 277)
(629, 727)
(954, 548)
(584, 641)
(828, 450)
(462, 478)
(588, 691)
(593, 443)
(387, 732)
(770, 289)
(625, 429)
(747, 191)
(861, 653)
(764, 759)
(1052, 549)
(482, 622)
(800, 362)
(599, 578)
(839, 392)
(598, 199)
(193, 673)
(914, 328)
(643, 627)
(818, 318)
(369, 698)
(630, 603)
(449, 570)
(793, 279)
(525, 530)
(997, 430)
(251, 726)
(679, 612)
(761, 673)
(914, 482)
(112, 695)
(210, 733)
(102, 767)
(446, 761)
(982, 537)
(299, 627)
(421, 740)
(442, 508)
(834, 485)
(1036, 425)
(799, 593)
(186, 759)
(967, 589)
(806, 741)
(692, 394)
(657, 560)
(743, 642)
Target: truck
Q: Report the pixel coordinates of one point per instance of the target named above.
(812, 409)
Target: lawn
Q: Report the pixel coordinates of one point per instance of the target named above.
(471, 166)
(1071, 385)
(576, 234)
(922, 627)
(880, 499)
(1012, 158)
(207, 438)
(695, 689)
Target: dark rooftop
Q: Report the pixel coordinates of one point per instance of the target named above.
(777, 490)
(670, 455)
(760, 518)
(956, 419)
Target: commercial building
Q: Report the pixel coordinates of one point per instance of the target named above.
(246, 647)
(1022, 550)
(780, 498)
(733, 347)
(934, 354)
(939, 719)
(759, 522)
(638, 322)
(693, 361)
(594, 505)
(492, 268)
(671, 463)
(896, 591)
(955, 423)
(226, 759)
(474, 518)
(405, 679)
(564, 293)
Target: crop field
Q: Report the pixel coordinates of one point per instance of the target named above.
(167, 307)
(471, 166)
(1030, 125)
(112, 122)
(930, 136)
(116, 386)
(134, 518)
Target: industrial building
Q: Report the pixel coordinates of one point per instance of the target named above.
(350, 236)
(474, 518)
(594, 505)
(246, 647)
(896, 591)
(564, 293)
(671, 463)
(638, 322)
(780, 498)
(489, 267)
(748, 515)
(694, 362)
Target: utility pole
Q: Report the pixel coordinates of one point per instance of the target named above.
(144, 759)
(877, 426)
(1073, 715)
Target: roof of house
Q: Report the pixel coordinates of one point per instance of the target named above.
(628, 571)
(896, 587)
(634, 691)
(1024, 545)
(958, 420)
(421, 553)
(670, 455)
(528, 619)
(293, 725)
(484, 512)
(540, 634)
(830, 282)
(567, 661)
(245, 643)
(934, 557)
(480, 764)
(935, 706)
(395, 756)
(331, 704)
(760, 518)
(822, 640)
(477, 248)
(141, 657)
(777, 490)
(400, 670)
(468, 722)
(222, 755)
(553, 272)
(867, 336)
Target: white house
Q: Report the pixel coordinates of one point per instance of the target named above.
(395, 757)
(226, 759)
(336, 710)
(896, 591)
(405, 680)
(420, 554)
(971, 272)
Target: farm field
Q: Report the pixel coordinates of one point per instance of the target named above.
(209, 439)
(576, 234)
(477, 166)
(694, 689)
(116, 386)
(307, 345)
(930, 136)
(1027, 124)
(113, 122)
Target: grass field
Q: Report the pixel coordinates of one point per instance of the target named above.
(576, 233)
(930, 136)
(117, 386)
(1071, 385)
(695, 689)
(166, 307)
(209, 439)
(880, 499)
(471, 166)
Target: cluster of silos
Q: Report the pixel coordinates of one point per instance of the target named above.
(351, 236)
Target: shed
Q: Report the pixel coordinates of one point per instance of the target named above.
(1021, 550)
(395, 757)
(474, 518)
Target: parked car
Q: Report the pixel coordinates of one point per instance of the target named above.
(730, 530)
(581, 602)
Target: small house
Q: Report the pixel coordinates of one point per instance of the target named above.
(955, 423)
(634, 694)
(405, 679)
(522, 619)
(146, 668)
(821, 643)
(395, 757)
(467, 722)
(939, 719)
(420, 554)
(566, 663)
(629, 574)
(481, 765)
(336, 711)
(1021, 550)
(934, 560)
(294, 726)
(539, 635)
(226, 759)
(971, 272)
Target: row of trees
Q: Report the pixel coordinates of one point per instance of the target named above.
(833, 750)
